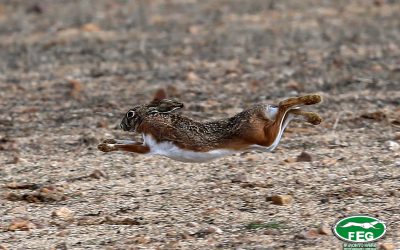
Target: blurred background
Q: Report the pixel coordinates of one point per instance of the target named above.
(70, 69)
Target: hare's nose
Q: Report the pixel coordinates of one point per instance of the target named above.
(124, 126)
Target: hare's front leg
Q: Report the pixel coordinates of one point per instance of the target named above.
(123, 145)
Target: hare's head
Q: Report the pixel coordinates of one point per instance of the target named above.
(134, 116)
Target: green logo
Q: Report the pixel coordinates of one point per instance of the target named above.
(359, 229)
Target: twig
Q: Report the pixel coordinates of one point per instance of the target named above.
(336, 121)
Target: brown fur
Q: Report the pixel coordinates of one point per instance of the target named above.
(249, 127)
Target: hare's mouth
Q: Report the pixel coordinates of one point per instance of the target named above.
(123, 126)
(126, 126)
(129, 125)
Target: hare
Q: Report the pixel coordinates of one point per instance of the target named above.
(183, 139)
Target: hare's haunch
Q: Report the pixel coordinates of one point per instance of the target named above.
(180, 138)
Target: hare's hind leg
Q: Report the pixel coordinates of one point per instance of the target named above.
(310, 117)
(286, 112)
(299, 101)
(123, 145)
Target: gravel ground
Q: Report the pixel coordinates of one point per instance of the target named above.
(70, 69)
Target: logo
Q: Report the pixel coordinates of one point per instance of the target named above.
(359, 229)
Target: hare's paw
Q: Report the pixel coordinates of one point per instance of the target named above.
(311, 99)
(110, 141)
(309, 117)
(314, 118)
(105, 147)
(299, 101)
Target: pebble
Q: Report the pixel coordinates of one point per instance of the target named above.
(209, 230)
(61, 246)
(392, 145)
(21, 225)
(310, 234)
(192, 224)
(281, 199)
(377, 115)
(63, 213)
(304, 157)
(239, 178)
(386, 246)
(142, 239)
(90, 27)
(98, 174)
(324, 230)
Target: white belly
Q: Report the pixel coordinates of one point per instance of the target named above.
(169, 150)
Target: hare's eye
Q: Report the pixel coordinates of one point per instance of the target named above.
(130, 114)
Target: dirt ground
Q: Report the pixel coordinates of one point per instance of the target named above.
(69, 70)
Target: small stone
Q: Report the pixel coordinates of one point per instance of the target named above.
(294, 85)
(215, 229)
(171, 234)
(392, 145)
(192, 224)
(329, 161)
(376, 67)
(379, 3)
(324, 230)
(61, 246)
(191, 76)
(8, 144)
(252, 157)
(208, 230)
(195, 29)
(63, 213)
(174, 244)
(310, 234)
(62, 233)
(47, 194)
(290, 160)
(21, 225)
(102, 124)
(13, 197)
(122, 220)
(35, 9)
(142, 239)
(76, 88)
(396, 123)
(97, 174)
(90, 27)
(186, 235)
(3, 247)
(15, 185)
(14, 160)
(19, 210)
(377, 116)
(239, 178)
(282, 199)
(304, 157)
(386, 246)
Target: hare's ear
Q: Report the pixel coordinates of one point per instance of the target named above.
(159, 95)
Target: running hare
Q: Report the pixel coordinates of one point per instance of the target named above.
(180, 138)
